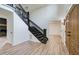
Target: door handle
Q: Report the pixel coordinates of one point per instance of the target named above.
(68, 35)
(68, 32)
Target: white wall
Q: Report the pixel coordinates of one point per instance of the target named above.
(20, 30)
(9, 16)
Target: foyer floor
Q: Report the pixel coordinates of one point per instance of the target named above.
(54, 46)
(3, 40)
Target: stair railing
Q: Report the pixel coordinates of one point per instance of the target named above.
(25, 17)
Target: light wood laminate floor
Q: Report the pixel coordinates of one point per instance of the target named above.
(54, 46)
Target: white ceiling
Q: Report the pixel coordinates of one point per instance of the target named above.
(62, 9)
(3, 11)
(32, 7)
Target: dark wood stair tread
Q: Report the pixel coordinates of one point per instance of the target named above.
(38, 35)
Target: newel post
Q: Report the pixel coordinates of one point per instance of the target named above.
(45, 32)
(28, 19)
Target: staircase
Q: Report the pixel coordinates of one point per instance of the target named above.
(39, 33)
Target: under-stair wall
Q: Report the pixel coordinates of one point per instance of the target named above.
(21, 32)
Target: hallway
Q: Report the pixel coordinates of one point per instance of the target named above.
(25, 32)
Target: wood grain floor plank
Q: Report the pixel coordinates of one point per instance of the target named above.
(54, 46)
